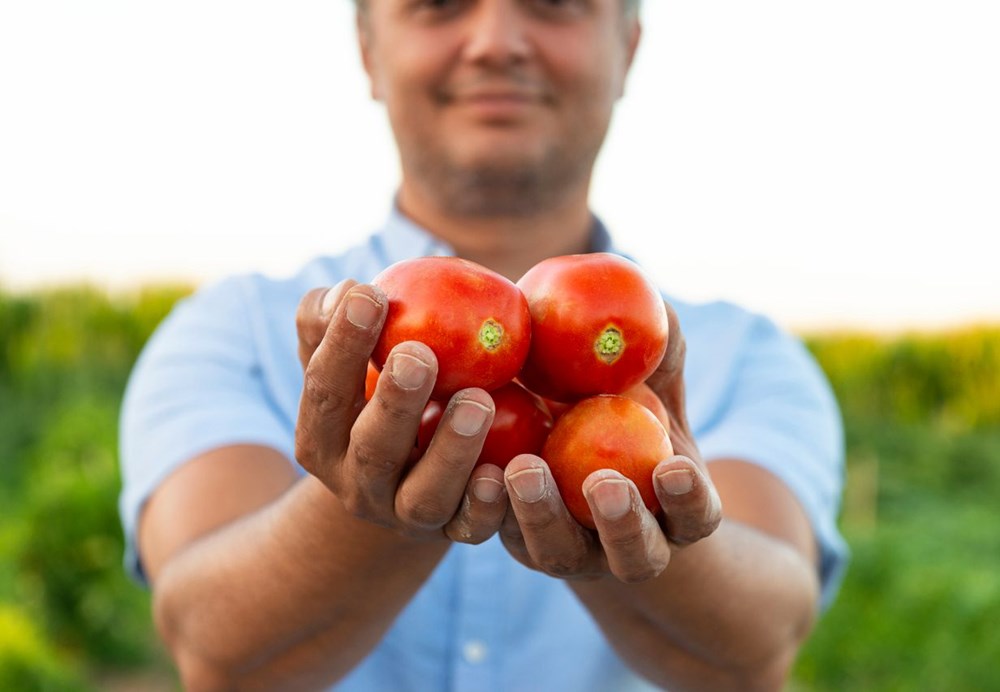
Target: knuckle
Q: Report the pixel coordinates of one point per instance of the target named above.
(689, 532)
(394, 411)
(366, 457)
(356, 505)
(421, 513)
(537, 522)
(319, 393)
(626, 541)
(562, 565)
(639, 573)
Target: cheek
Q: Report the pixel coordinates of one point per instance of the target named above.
(412, 66)
(591, 78)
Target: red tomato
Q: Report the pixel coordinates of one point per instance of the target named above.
(605, 432)
(520, 425)
(598, 326)
(557, 407)
(475, 320)
(643, 394)
(371, 379)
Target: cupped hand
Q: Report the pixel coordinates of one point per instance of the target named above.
(364, 453)
(629, 543)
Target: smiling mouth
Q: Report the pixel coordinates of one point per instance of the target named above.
(515, 96)
(496, 106)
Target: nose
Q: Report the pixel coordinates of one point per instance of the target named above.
(497, 34)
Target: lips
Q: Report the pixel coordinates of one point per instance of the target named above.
(512, 91)
(496, 104)
(499, 96)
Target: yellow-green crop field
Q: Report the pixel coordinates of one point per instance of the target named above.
(919, 608)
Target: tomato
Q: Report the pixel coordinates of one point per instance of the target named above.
(475, 320)
(520, 426)
(598, 326)
(605, 432)
(371, 380)
(557, 408)
(643, 394)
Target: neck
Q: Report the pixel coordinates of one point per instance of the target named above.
(507, 244)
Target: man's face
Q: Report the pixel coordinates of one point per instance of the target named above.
(497, 103)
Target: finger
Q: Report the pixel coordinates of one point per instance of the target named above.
(691, 506)
(483, 508)
(513, 538)
(634, 544)
(382, 438)
(668, 378)
(556, 543)
(432, 491)
(334, 379)
(313, 316)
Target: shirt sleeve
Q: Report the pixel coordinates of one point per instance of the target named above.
(205, 345)
(780, 414)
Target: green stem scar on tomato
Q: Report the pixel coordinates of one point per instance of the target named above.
(491, 334)
(476, 321)
(610, 344)
(598, 326)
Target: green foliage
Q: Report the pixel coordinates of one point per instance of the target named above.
(67, 610)
(920, 603)
(27, 661)
(947, 379)
(918, 608)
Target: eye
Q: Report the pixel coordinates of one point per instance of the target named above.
(439, 6)
(559, 8)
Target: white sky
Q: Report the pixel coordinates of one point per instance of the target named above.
(830, 164)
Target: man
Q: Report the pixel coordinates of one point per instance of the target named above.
(289, 547)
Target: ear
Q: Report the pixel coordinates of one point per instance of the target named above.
(365, 40)
(633, 33)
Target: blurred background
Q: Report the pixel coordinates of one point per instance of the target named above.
(835, 166)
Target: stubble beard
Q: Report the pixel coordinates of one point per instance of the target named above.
(489, 189)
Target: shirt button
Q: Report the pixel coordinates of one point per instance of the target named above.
(474, 651)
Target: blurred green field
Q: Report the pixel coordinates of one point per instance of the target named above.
(919, 610)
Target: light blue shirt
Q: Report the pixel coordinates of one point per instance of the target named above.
(223, 369)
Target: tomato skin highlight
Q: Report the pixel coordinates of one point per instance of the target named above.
(643, 394)
(605, 432)
(475, 320)
(598, 326)
(520, 425)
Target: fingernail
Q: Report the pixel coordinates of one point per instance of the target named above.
(469, 417)
(331, 299)
(408, 372)
(612, 498)
(487, 490)
(528, 485)
(362, 311)
(676, 482)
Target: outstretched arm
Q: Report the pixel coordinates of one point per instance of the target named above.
(263, 579)
(718, 594)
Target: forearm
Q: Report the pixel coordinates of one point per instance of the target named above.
(728, 612)
(283, 597)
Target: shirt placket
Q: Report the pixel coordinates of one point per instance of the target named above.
(478, 645)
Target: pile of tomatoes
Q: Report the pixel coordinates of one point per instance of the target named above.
(564, 352)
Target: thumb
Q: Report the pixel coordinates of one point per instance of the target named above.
(668, 378)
